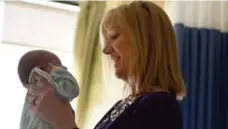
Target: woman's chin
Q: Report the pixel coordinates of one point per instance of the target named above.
(119, 75)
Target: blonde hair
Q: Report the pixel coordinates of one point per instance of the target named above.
(154, 45)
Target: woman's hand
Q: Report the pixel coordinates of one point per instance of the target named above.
(49, 107)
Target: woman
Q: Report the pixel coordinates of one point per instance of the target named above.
(141, 42)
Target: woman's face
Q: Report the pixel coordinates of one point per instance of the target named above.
(117, 46)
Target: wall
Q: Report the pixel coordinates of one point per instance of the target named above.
(30, 24)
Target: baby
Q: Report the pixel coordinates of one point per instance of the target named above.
(41, 64)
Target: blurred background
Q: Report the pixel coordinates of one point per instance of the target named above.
(70, 29)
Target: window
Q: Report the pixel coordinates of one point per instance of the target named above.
(74, 3)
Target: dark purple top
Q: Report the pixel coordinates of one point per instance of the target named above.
(158, 110)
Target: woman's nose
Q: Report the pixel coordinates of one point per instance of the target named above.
(107, 49)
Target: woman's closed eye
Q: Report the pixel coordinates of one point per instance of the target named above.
(114, 36)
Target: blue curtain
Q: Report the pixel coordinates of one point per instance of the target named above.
(203, 57)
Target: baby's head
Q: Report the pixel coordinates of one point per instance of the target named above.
(36, 58)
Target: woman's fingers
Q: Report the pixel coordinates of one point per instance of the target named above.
(31, 98)
(38, 103)
(40, 97)
(34, 106)
(43, 107)
(34, 91)
(41, 85)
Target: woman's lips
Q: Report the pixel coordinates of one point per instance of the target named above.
(116, 60)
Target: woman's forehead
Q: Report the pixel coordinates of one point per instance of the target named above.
(111, 25)
(111, 22)
(113, 29)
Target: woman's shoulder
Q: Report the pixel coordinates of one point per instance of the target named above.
(159, 110)
(157, 99)
(150, 110)
(160, 107)
(159, 96)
